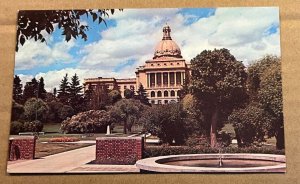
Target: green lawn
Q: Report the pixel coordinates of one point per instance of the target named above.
(51, 127)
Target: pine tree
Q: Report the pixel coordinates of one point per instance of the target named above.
(63, 94)
(17, 90)
(88, 95)
(142, 95)
(54, 92)
(75, 93)
(41, 91)
(30, 89)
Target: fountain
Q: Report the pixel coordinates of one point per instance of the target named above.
(214, 163)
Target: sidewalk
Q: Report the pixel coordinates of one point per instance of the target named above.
(74, 161)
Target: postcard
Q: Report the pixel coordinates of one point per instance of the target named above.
(185, 90)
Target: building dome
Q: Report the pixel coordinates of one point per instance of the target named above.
(167, 47)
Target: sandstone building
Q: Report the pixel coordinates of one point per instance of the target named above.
(162, 76)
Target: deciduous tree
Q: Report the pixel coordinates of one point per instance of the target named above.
(32, 23)
(218, 83)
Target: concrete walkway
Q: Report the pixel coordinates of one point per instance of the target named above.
(74, 161)
(58, 163)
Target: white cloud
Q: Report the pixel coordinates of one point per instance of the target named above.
(35, 54)
(244, 31)
(241, 30)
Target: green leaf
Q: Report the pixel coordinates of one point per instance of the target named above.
(22, 39)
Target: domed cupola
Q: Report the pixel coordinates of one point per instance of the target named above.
(167, 47)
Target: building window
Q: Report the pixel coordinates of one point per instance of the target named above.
(159, 102)
(178, 78)
(152, 101)
(178, 93)
(165, 79)
(171, 63)
(166, 102)
(165, 64)
(152, 79)
(159, 94)
(152, 65)
(125, 87)
(152, 94)
(172, 93)
(172, 78)
(166, 94)
(178, 64)
(158, 79)
(173, 101)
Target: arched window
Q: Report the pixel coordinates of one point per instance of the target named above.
(166, 94)
(172, 93)
(166, 101)
(159, 94)
(152, 94)
(178, 93)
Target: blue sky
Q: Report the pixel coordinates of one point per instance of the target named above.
(131, 35)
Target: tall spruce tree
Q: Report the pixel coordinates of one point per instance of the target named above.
(142, 95)
(88, 95)
(75, 93)
(30, 89)
(17, 90)
(63, 92)
(41, 89)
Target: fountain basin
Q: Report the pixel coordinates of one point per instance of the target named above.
(209, 163)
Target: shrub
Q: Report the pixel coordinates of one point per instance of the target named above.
(250, 124)
(35, 108)
(33, 126)
(154, 151)
(87, 122)
(224, 138)
(64, 139)
(17, 111)
(15, 127)
(65, 112)
(168, 122)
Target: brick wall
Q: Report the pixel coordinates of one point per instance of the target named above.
(21, 147)
(119, 150)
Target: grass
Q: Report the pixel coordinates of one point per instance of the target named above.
(46, 149)
(51, 127)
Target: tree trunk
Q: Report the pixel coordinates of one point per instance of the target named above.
(280, 139)
(125, 128)
(213, 128)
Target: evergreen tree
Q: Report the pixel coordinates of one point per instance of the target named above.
(30, 89)
(142, 95)
(17, 90)
(41, 91)
(88, 95)
(63, 94)
(54, 92)
(75, 95)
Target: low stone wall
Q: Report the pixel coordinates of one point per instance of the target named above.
(22, 147)
(119, 150)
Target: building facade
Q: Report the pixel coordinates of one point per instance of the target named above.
(162, 76)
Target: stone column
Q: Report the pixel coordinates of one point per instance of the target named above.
(155, 80)
(161, 77)
(169, 79)
(181, 78)
(148, 80)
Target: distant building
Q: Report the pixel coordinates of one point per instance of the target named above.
(162, 76)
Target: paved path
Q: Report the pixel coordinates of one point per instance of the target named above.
(74, 161)
(58, 163)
